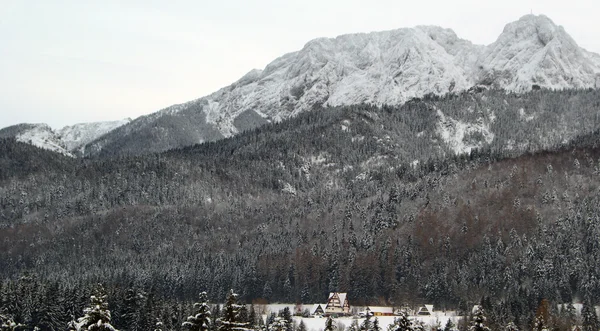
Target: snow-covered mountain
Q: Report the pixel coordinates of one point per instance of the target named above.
(388, 67)
(68, 140)
(533, 50)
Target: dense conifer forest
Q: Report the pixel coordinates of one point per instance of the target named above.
(367, 200)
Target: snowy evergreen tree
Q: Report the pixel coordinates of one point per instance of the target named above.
(253, 317)
(511, 327)
(418, 326)
(97, 316)
(230, 321)
(301, 326)
(159, 326)
(354, 326)
(367, 324)
(201, 320)
(130, 313)
(401, 323)
(278, 324)
(478, 323)
(450, 326)
(589, 319)
(376, 326)
(286, 315)
(7, 324)
(329, 326)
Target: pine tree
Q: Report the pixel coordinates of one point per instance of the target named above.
(478, 323)
(286, 315)
(450, 326)
(376, 326)
(131, 310)
(329, 326)
(159, 325)
(278, 324)
(252, 317)
(201, 320)
(7, 324)
(401, 323)
(589, 319)
(511, 327)
(301, 326)
(354, 326)
(367, 324)
(97, 316)
(230, 320)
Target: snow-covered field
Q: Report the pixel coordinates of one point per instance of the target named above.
(318, 324)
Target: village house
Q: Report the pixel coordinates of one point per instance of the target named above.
(379, 311)
(337, 304)
(425, 310)
(317, 309)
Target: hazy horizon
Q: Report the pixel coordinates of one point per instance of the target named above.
(70, 62)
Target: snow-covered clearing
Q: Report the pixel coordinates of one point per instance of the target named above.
(318, 323)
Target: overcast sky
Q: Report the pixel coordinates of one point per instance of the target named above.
(64, 62)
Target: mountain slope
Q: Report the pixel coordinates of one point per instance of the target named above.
(78, 135)
(67, 141)
(334, 186)
(39, 135)
(376, 68)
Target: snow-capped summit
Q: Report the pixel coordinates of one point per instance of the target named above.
(535, 51)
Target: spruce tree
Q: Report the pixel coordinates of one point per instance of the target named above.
(478, 323)
(286, 315)
(201, 320)
(7, 324)
(450, 326)
(354, 326)
(401, 323)
(278, 324)
(329, 326)
(301, 326)
(230, 320)
(367, 324)
(589, 319)
(97, 316)
(376, 326)
(131, 310)
(511, 327)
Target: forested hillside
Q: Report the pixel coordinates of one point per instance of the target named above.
(370, 201)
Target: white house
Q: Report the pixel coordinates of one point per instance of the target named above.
(337, 304)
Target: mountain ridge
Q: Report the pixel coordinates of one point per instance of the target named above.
(67, 140)
(378, 68)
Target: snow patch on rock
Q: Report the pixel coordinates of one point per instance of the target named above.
(78, 135)
(42, 136)
(459, 136)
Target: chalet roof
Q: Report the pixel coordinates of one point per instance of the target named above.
(317, 306)
(342, 297)
(425, 309)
